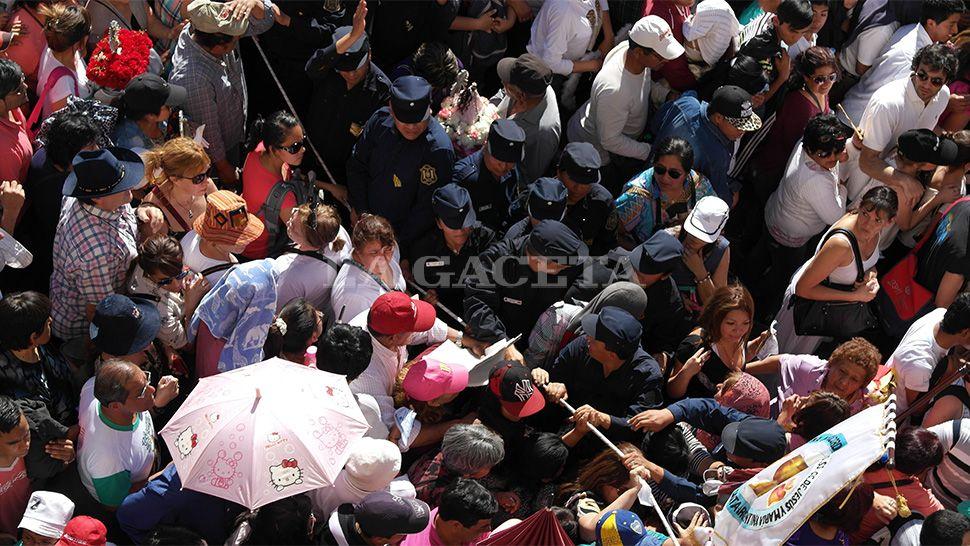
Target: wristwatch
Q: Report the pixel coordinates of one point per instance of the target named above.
(461, 336)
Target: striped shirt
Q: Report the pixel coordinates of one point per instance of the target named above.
(710, 31)
(92, 250)
(547, 334)
(950, 480)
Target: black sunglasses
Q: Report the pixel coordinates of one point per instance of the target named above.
(660, 169)
(169, 280)
(197, 179)
(295, 147)
(819, 80)
(923, 76)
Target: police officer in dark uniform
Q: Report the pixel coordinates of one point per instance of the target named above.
(492, 174)
(589, 209)
(398, 28)
(546, 201)
(347, 89)
(522, 278)
(439, 258)
(401, 158)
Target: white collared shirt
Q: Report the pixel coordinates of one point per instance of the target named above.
(381, 374)
(562, 32)
(808, 199)
(355, 290)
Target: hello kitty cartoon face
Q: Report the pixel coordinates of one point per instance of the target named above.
(186, 441)
(285, 474)
(224, 469)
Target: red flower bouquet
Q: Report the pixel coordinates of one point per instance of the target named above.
(120, 56)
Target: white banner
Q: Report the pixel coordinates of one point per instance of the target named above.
(771, 506)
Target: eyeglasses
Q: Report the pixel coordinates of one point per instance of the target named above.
(819, 80)
(295, 147)
(839, 146)
(672, 173)
(197, 179)
(148, 383)
(923, 76)
(169, 280)
(238, 218)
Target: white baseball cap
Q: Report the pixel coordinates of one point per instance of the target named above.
(654, 33)
(708, 218)
(47, 513)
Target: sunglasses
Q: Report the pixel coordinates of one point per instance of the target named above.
(148, 383)
(237, 218)
(169, 280)
(672, 173)
(923, 76)
(197, 179)
(819, 80)
(295, 147)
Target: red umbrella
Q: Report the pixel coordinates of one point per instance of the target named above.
(539, 529)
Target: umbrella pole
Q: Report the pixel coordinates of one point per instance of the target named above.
(643, 484)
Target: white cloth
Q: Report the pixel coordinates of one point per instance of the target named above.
(615, 115)
(109, 454)
(381, 374)
(561, 32)
(307, 277)
(64, 87)
(371, 466)
(711, 30)
(170, 305)
(808, 199)
(194, 259)
(788, 341)
(354, 290)
(894, 109)
(916, 356)
(801, 45)
(949, 481)
(894, 62)
(866, 47)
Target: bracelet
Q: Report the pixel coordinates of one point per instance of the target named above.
(706, 278)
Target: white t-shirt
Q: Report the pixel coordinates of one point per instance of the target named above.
(195, 260)
(916, 356)
(307, 277)
(808, 199)
(616, 112)
(949, 481)
(711, 30)
(866, 47)
(111, 458)
(64, 87)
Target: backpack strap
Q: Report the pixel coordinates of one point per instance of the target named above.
(315, 254)
(932, 229)
(52, 79)
(271, 213)
(146, 296)
(215, 269)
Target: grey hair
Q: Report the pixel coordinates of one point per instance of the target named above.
(466, 449)
(111, 380)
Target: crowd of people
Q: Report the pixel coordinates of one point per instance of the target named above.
(711, 230)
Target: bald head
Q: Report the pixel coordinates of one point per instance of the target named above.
(110, 383)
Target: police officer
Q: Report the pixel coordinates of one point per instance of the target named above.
(492, 174)
(522, 278)
(347, 90)
(589, 208)
(400, 159)
(546, 201)
(440, 256)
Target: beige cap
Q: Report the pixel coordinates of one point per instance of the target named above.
(215, 18)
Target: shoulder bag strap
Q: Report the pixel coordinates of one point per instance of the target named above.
(215, 269)
(52, 79)
(378, 280)
(170, 208)
(936, 223)
(146, 296)
(316, 255)
(860, 272)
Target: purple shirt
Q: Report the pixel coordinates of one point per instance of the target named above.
(804, 374)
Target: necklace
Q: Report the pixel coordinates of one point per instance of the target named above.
(186, 206)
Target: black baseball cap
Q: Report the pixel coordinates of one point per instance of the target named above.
(659, 254)
(581, 162)
(124, 326)
(547, 199)
(506, 141)
(554, 241)
(382, 514)
(527, 72)
(616, 328)
(511, 382)
(356, 54)
(453, 205)
(148, 93)
(734, 104)
(925, 146)
(755, 438)
(411, 99)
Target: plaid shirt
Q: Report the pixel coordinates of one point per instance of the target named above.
(216, 87)
(92, 250)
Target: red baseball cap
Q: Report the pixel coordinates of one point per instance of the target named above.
(84, 531)
(511, 382)
(395, 313)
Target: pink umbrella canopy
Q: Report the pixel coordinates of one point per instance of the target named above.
(539, 529)
(264, 432)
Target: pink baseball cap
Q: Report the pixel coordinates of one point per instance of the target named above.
(428, 379)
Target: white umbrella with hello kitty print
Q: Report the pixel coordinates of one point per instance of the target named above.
(264, 432)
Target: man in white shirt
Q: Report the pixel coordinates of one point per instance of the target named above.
(938, 23)
(395, 321)
(949, 480)
(616, 113)
(709, 33)
(915, 102)
(564, 30)
(925, 344)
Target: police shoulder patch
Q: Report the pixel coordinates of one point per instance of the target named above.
(429, 175)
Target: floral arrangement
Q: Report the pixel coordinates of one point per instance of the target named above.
(466, 116)
(120, 56)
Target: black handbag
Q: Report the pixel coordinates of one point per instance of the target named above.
(838, 319)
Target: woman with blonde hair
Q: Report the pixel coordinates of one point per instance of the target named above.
(62, 72)
(178, 170)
